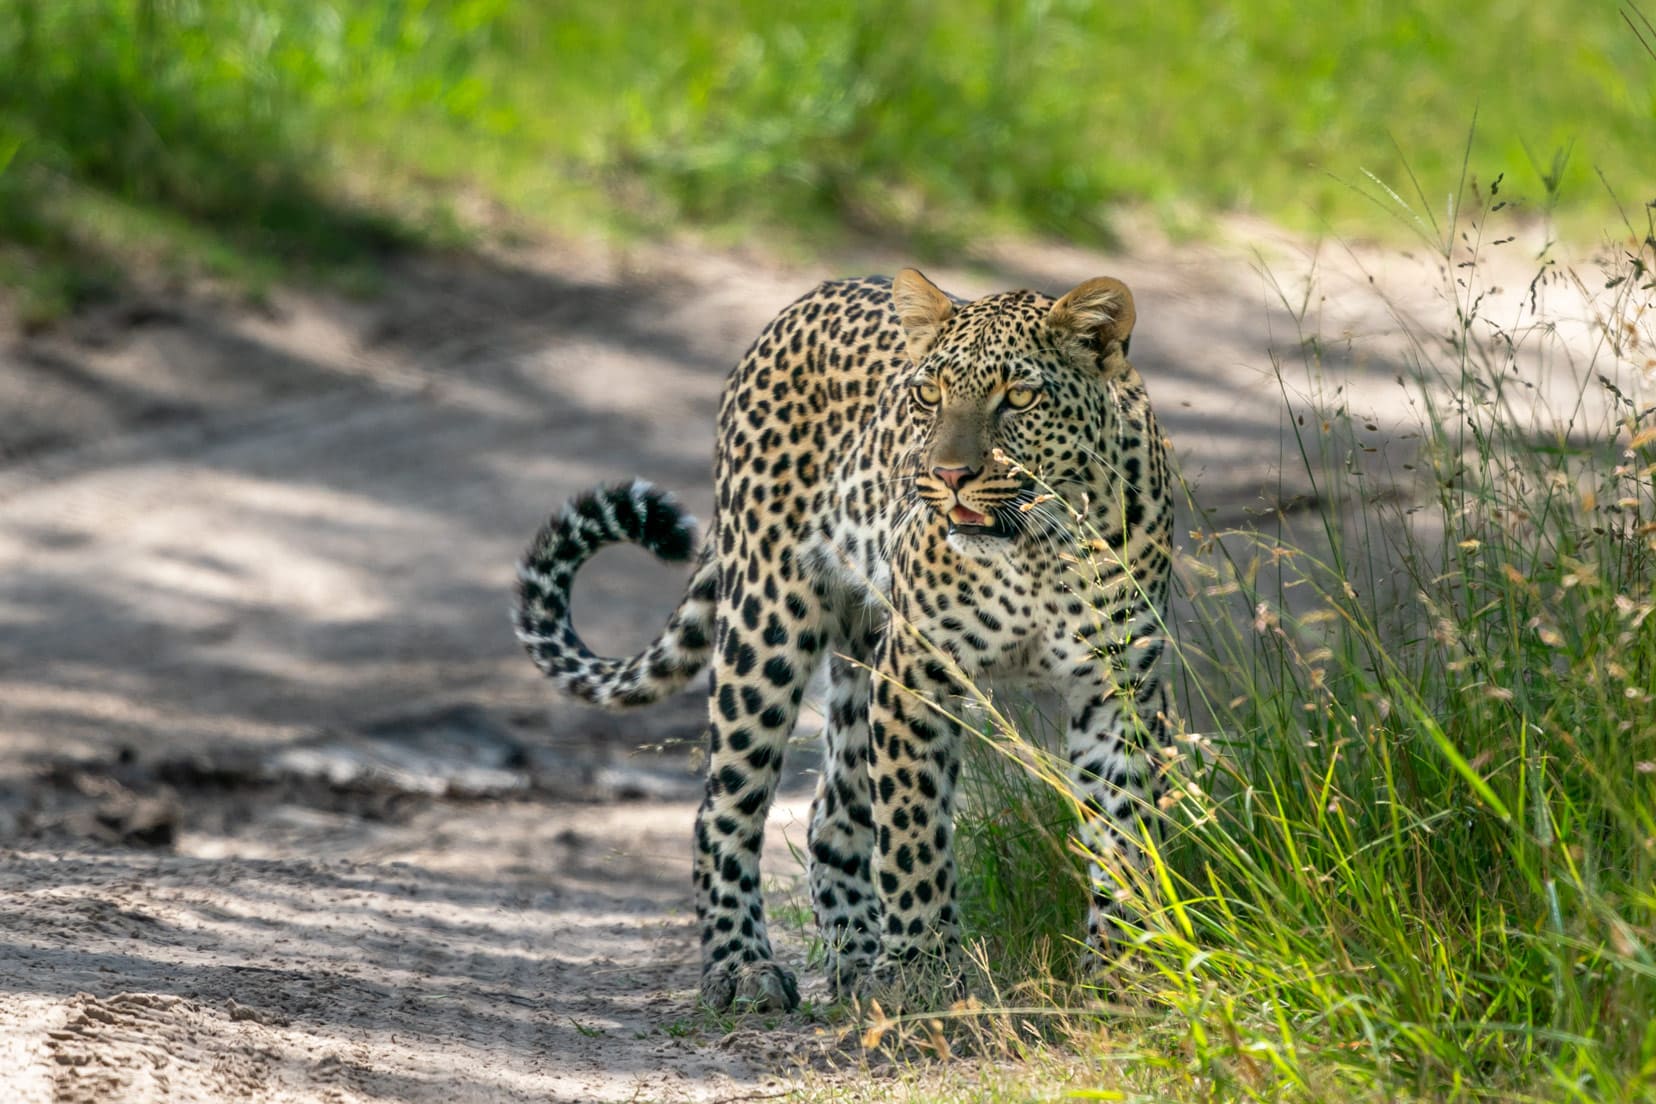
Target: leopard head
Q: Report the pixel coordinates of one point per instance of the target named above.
(1011, 395)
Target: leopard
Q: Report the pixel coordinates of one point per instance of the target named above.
(922, 492)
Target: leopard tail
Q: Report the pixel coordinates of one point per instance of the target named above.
(636, 512)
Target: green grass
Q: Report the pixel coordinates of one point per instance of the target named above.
(200, 138)
(274, 139)
(1411, 851)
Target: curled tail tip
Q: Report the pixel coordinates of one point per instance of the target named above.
(639, 512)
(634, 513)
(665, 527)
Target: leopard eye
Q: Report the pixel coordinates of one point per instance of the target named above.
(928, 393)
(1021, 398)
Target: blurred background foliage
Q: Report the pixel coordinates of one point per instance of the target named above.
(260, 137)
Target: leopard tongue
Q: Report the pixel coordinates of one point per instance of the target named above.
(960, 515)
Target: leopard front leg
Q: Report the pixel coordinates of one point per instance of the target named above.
(914, 763)
(1118, 720)
(765, 651)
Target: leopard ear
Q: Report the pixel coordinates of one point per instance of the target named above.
(1101, 309)
(921, 307)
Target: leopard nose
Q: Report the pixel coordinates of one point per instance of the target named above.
(954, 477)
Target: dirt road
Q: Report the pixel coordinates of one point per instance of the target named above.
(284, 813)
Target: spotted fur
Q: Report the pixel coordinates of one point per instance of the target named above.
(924, 491)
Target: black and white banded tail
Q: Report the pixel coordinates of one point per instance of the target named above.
(637, 513)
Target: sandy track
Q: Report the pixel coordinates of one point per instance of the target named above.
(284, 815)
(432, 961)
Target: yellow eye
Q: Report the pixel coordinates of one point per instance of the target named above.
(1020, 398)
(928, 393)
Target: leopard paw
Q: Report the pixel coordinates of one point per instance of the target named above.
(749, 987)
(915, 983)
(847, 975)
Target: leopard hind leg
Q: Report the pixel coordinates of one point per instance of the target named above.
(841, 834)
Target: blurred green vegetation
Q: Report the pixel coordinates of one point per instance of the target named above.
(261, 137)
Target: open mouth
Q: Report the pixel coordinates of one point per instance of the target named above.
(973, 524)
